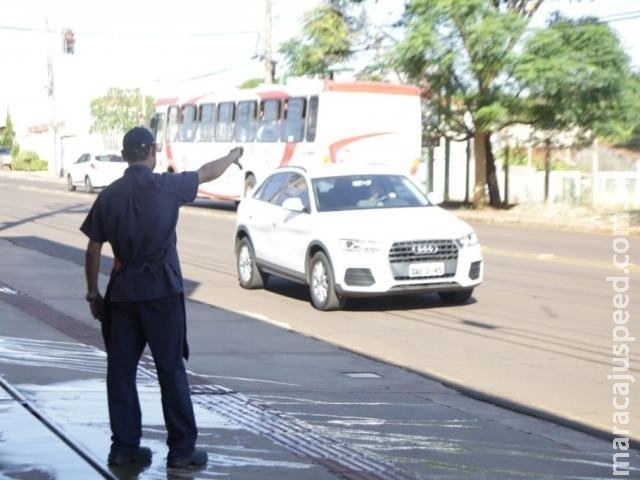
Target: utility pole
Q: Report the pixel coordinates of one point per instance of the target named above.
(53, 127)
(269, 64)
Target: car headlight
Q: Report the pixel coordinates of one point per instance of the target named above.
(468, 240)
(354, 245)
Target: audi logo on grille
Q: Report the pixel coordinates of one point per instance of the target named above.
(425, 249)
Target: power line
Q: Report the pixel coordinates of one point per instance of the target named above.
(620, 17)
(163, 34)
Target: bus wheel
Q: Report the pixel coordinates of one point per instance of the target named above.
(249, 184)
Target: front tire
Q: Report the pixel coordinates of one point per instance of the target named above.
(322, 284)
(459, 297)
(70, 186)
(249, 275)
(88, 185)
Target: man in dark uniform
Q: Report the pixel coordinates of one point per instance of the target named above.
(144, 301)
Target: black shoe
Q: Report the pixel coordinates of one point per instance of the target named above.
(141, 455)
(198, 458)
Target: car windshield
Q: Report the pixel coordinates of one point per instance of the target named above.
(109, 158)
(355, 192)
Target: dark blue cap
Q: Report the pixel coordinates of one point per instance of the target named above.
(138, 138)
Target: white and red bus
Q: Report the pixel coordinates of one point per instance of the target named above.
(298, 123)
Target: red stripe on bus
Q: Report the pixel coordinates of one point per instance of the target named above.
(169, 154)
(288, 153)
(334, 148)
(166, 101)
(372, 87)
(272, 94)
(193, 100)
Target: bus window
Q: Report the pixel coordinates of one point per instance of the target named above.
(312, 119)
(204, 131)
(224, 123)
(246, 121)
(173, 124)
(293, 124)
(188, 123)
(269, 128)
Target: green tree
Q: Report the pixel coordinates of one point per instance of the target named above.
(632, 118)
(575, 75)
(28, 160)
(462, 53)
(251, 83)
(325, 41)
(577, 79)
(7, 137)
(336, 32)
(119, 110)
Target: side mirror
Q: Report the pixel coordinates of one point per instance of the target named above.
(294, 204)
(435, 198)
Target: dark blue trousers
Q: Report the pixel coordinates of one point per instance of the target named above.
(161, 324)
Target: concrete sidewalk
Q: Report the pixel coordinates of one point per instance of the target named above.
(270, 403)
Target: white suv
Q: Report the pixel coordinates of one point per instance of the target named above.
(353, 232)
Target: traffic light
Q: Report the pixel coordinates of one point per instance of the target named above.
(68, 41)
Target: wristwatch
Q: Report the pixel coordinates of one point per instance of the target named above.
(91, 298)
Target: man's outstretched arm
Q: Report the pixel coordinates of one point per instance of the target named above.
(213, 169)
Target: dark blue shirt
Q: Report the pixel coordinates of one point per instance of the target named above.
(137, 214)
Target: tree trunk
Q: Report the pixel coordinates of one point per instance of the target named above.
(479, 196)
(492, 178)
(547, 169)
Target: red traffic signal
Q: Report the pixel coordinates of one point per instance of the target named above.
(68, 41)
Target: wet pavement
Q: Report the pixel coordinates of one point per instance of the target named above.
(270, 403)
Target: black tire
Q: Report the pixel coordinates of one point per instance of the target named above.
(249, 184)
(249, 275)
(70, 186)
(461, 296)
(322, 284)
(88, 185)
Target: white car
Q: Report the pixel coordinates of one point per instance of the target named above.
(353, 232)
(95, 170)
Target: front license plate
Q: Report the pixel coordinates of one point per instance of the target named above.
(428, 269)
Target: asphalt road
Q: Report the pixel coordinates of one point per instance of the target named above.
(537, 336)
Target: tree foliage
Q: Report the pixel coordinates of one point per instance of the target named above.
(463, 52)
(482, 68)
(337, 32)
(28, 160)
(8, 134)
(576, 76)
(119, 110)
(629, 124)
(325, 41)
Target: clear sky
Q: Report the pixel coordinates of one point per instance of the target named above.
(157, 44)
